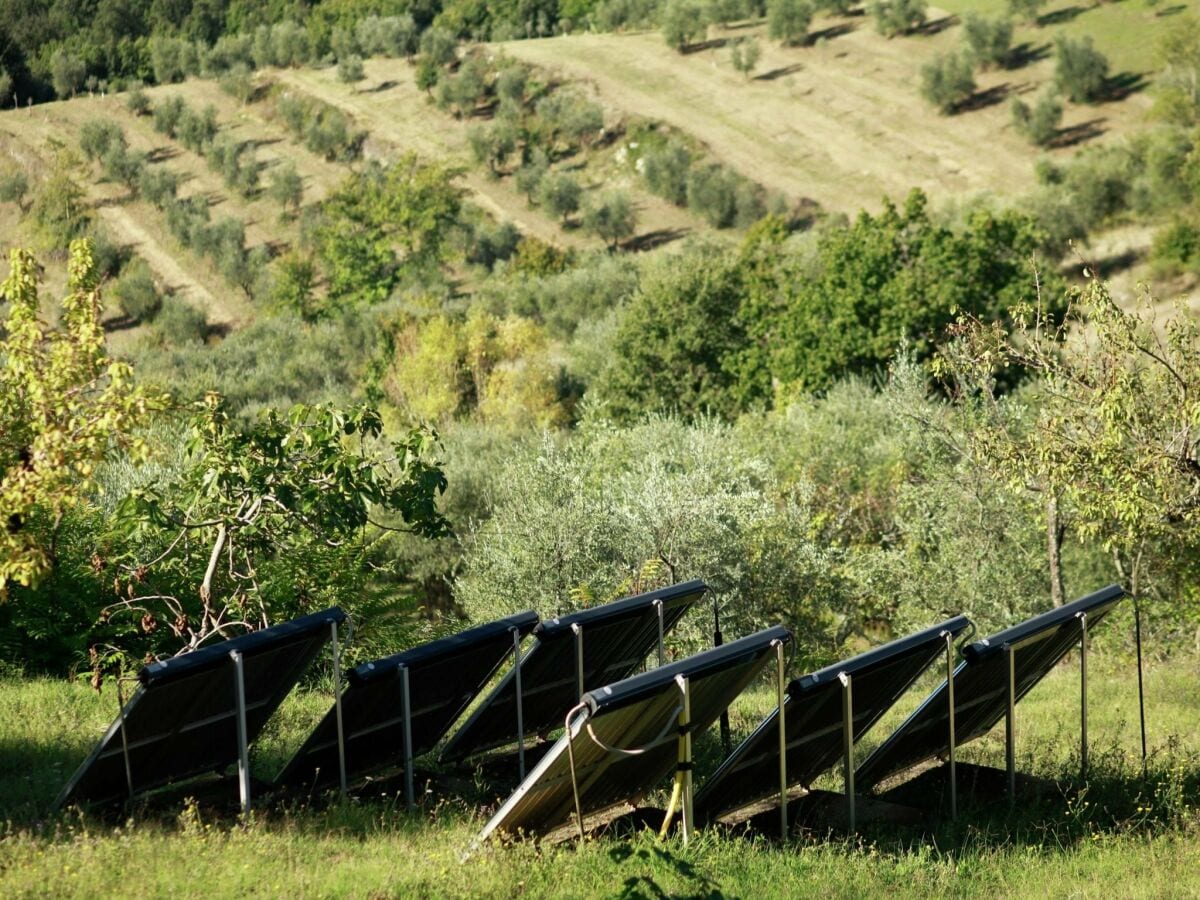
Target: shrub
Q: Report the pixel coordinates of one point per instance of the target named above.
(666, 171)
(136, 293)
(712, 192)
(788, 20)
(611, 217)
(1038, 124)
(682, 22)
(97, 136)
(1028, 10)
(896, 17)
(238, 82)
(1176, 247)
(179, 323)
(14, 185)
(1080, 70)
(67, 73)
(439, 47)
(287, 188)
(167, 115)
(124, 166)
(744, 54)
(529, 176)
(6, 87)
(350, 69)
(492, 145)
(197, 130)
(294, 285)
(136, 101)
(387, 35)
(948, 81)
(990, 40)
(107, 255)
(488, 244)
(511, 82)
(158, 185)
(750, 203)
(559, 194)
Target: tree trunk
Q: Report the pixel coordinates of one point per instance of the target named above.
(1054, 539)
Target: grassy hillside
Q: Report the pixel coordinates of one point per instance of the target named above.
(841, 120)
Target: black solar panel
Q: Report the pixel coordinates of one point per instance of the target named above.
(813, 719)
(617, 637)
(182, 720)
(444, 676)
(639, 712)
(981, 685)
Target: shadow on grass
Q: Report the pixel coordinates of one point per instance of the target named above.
(1026, 54)
(652, 239)
(828, 34)
(1061, 16)
(1123, 85)
(984, 99)
(774, 74)
(1077, 134)
(1170, 11)
(935, 26)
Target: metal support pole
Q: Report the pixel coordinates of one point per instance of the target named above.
(239, 687)
(337, 706)
(124, 738)
(410, 796)
(781, 692)
(1137, 636)
(718, 640)
(662, 655)
(578, 630)
(950, 719)
(1010, 722)
(516, 636)
(848, 744)
(1083, 704)
(685, 755)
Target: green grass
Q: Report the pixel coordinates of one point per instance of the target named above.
(1118, 834)
(1125, 32)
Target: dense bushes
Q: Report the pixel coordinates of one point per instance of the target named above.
(324, 129)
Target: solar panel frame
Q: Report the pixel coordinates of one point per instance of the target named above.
(639, 712)
(182, 720)
(814, 720)
(617, 638)
(444, 677)
(981, 685)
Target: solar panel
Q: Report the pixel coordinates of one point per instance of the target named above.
(813, 719)
(981, 685)
(638, 714)
(182, 720)
(444, 676)
(616, 638)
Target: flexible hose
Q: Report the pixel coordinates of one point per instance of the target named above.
(676, 793)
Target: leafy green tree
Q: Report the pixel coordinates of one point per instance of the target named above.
(287, 189)
(529, 176)
(682, 23)
(788, 20)
(886, 281)
(948, 81)
(67, 73)
(125, 166)
(674, 338)
(1040, 123)
(611, 217)
(559, 194)
(137, 294)
(1177, 86)
(137, 101)
(295, 285)
(989, 40)
(897, 17)
(6, 87)
(492, 145)
(666, 171)
(167, 114)
(59, 210)
(1080, 70)
(249, 498)
(238, 83)
(712, 192)
(1112, 436)
(439, 47)
(744, 55)
(64, 407)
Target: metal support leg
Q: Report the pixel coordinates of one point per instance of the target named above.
(1137, 637)
(662, 655)
(1010, 722)
(516, 636)
(239, 688)
(685, 755)
(950, 719)
(410, 796)
(337, 706)
(1083, 688)
(124, 738)
(718, 640)
(781, 693)
(578, 630)
(848, 745)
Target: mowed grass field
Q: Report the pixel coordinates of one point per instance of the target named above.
(841, 120)
(1116, 835)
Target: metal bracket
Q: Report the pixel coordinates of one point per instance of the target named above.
(950, 719)
(781, 690)
(516, 636)
(1010, 723)
(685, 755)
(1083, 695)
(662, 656)
(577, 630)
(337, 705)
(239, 687)
(410, 797)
